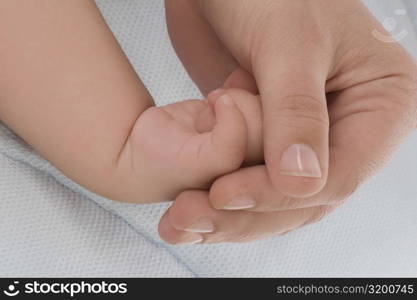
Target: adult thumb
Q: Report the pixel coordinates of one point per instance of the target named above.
(296, 124)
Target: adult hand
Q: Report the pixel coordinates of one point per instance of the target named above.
(337, 102)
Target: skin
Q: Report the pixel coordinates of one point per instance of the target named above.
(326, 82)
(53, 87)
(170, 151)
(52, 112)
(109, 138)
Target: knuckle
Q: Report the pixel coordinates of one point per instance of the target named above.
(402, 93)
(228, 237)
(321, 212)
(184, 198)
(232, 159)
(411, 90)
(226, 186)
(348, 189)
(288, 202)
(245, 231)
(286, 232)
(243, 237)
(301, 109)
(231, 151)
(344, 192)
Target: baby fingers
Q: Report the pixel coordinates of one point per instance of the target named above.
(223, 149)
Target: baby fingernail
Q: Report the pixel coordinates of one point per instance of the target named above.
(203, 225)
(300, 160)
(216, 93)
(192, 238)
(227, 100)
(240, 202)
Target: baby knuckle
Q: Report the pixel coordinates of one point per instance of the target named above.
(232, 158)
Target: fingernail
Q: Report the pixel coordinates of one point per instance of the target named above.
(227, 100)
(240, 202)
(300, 160)
(216, 93)
(203, 225)
(191, 238)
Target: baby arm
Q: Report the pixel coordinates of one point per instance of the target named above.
(68, 90)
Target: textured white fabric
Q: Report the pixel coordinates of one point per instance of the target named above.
(49, 226)
(47, 230)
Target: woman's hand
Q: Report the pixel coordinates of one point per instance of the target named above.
(336, 103)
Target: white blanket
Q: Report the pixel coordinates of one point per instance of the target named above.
(50, 226)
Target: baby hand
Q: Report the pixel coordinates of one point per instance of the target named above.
(188, 144)
(250, 106)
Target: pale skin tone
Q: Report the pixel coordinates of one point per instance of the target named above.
(69, 91)
(324, 80)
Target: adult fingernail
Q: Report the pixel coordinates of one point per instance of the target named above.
(300, 160)
(204, 225)
(240, 202)
(191, 238)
